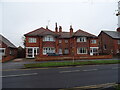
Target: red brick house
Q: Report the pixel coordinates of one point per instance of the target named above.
(8, 50)
(42, 41)
(109, 42)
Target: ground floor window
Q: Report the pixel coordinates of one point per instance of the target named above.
(48, 50)
(31, 52)
(82, 50)
(2, 51)
(60, 51)
(66, 51)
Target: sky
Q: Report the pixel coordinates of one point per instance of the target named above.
(18, 17)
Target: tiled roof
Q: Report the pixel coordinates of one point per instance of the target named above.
(83, 33)
(113, 34)
(7, 42)
(64, 35)
(41, 32)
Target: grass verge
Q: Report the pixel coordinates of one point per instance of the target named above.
(70, 63)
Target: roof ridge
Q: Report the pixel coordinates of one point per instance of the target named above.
(34, 30)
(7, 42)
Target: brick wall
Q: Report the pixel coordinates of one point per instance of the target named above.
(110, 43)
(7, 55)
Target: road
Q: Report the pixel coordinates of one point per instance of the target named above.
(60, 77)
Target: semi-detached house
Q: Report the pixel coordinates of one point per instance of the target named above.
(42, 41)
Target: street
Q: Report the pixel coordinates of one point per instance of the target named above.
(60, 77)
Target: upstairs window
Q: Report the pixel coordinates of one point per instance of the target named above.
(66, 41)
(32, 40)
(81, 39)
(118, 41)
(93, 41)
(48, 38)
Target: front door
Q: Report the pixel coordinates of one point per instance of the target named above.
(31, 52)
(93, 50)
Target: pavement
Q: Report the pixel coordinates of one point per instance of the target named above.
(18, 63)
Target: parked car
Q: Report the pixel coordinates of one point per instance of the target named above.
(52, 54)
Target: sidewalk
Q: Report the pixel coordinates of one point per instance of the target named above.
(19, 62)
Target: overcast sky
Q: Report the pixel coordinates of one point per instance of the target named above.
(19, 17)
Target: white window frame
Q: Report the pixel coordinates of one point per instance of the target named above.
(48, 38)
(81, 39)
(118, 41)
(3, 54)
(33, 48)
(78, 51)
(32, 40)
(93, 41)
(60, 41)
(93, 50)
(60, 50)
(48, 50)
(66, 51)
(104, 46)
(66, 41)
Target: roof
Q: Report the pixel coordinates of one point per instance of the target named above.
(113, 34)
(65, 35)
(7, 42)
(83, 33)
(41, 32)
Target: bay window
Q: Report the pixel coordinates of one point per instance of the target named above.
(48, 38)
(81, 39)
(82, 50)
(32, 40)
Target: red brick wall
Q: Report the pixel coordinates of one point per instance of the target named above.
(7, 55)
(110, 44)
(94, 45)
(32, 44)
(72, 45)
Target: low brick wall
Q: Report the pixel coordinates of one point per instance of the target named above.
(48, 58)
(7, 58)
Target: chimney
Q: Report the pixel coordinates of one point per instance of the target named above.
(60, 29)
(56, 28)
(118, 29)
(46, 27)
(71, 30)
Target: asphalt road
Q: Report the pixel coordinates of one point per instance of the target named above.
(60, 77)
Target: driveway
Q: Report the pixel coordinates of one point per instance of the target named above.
(19, 62)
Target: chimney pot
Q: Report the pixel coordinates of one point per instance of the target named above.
(60, 29)
(71, 30)
(56, 28)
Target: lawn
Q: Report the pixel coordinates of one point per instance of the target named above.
(70, 63)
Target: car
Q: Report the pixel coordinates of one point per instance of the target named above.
(52, 54)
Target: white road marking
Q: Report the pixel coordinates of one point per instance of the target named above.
(77, 70)
(115, 67)
(91, 70)
(19, 75)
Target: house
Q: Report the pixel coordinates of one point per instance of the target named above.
(42, 41)
(109, 42)
(8, 50)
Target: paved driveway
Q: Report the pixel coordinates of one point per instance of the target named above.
(17, 63)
